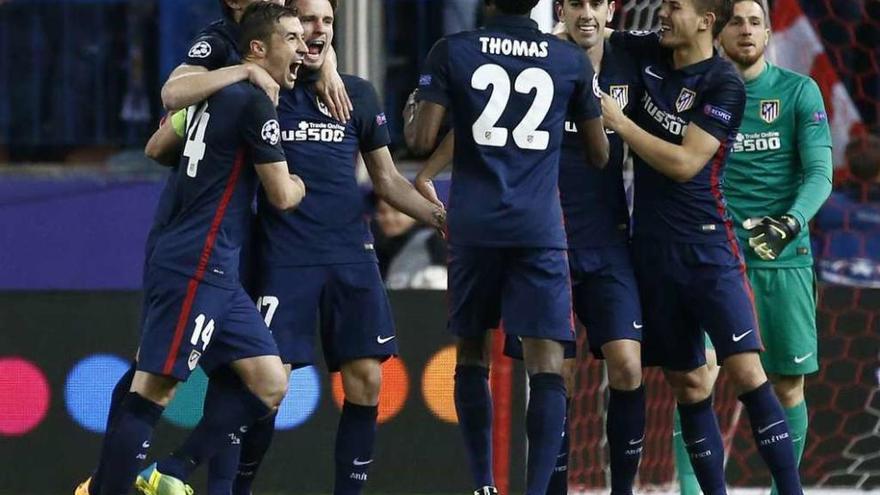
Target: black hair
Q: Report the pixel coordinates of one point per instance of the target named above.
(515, 7)
(723, 10)
(259, 23)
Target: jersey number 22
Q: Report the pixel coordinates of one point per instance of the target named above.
(526, 134)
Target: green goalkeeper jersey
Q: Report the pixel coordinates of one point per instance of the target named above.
(781, 160)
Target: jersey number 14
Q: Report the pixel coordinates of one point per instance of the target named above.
(526, 134)
(197, 118)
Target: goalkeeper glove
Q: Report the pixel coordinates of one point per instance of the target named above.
(768, 236)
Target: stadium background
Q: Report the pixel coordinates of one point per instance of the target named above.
(79, 84)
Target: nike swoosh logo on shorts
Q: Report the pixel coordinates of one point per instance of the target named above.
(737, 338)
(637, 326)
(383, 340)
(799, 360)
(358, 462)
(694, 443)
(771, 425)
(652, 73)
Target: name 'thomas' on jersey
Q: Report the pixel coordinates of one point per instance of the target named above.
(209, 206)
(510, 88)
(784, 114)
(709, 94)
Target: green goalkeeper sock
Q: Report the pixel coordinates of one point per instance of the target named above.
(798, 420)
(687, 480)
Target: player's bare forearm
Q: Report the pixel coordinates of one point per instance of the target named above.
(677, 162)
(164, 145)
(592, 133)
(440, 159)
(189, 85)
(428, 120)
(398, 192)
(284, 190)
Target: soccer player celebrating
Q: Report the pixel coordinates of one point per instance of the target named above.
(197, 312)
(690, 271)
(320, 259)
(778, 176)
(509, 88)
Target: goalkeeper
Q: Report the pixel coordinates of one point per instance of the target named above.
(778, 176)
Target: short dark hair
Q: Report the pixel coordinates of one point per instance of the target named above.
(258, 23)
(515, 7)
(760, 4)
(334, 4)
(723, 10)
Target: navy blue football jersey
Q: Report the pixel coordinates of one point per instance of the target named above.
(594, 200)
(509, 88)
(215, 183)
(216, 46)
(709, 94)
(331, 225)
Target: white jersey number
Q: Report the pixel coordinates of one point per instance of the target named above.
(197, 118)
(526, 134)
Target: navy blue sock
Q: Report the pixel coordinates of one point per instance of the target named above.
(559, 480)
(355, 438)
(625, 428)
(545, 418)
(473, 404)
(126, 447)
(254, 446)
(772, 438)
(123, 386)
(222, 469)
(229, 412)
(702, 440)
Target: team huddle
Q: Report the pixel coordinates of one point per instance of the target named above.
(538, 128)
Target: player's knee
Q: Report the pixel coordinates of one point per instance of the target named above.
(789, 389)
(362, 381)
(471, 352)
(155, 388)
(569, 369)
(625, 374)
(543, 356)
(745, 372)
(690, 387)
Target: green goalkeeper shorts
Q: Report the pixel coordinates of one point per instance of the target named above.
(785, 299)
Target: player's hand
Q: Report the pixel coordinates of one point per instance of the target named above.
(768, 236)
(612, 115)
(331, 90)
(409, 110)
(300, 187)
(264, 81)
(425, 187)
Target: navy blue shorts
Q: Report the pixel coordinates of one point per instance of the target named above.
(606, 299)
(187, 323)
(529, 288)
(688, 288)
(348, 300)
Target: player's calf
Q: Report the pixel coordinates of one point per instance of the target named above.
(745, 371)
(356, 434)
(362, 380)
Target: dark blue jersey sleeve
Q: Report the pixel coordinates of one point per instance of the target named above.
(208, 51)
(585, 101)
(434, 80)
(721, 110)
(261, 131)
(369, 119)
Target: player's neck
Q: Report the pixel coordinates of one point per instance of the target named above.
(753, 71)
(595, 54)
(696, 52)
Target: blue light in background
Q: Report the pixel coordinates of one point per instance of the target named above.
(303, 394)
(89, 387)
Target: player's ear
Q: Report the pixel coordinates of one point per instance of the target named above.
(258, 48)
(559, 11)
(611, 6)
(708, 21)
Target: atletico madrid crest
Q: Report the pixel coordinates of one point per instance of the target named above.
(769, 110)
(685, 100)
(620, 93)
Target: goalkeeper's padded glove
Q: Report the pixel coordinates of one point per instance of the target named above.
(768, 236)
